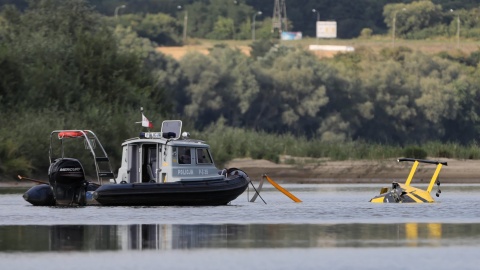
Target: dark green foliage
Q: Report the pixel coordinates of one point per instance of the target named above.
(471, 60)
(444, 154)
(474, 59)
(222, 29)
(397, 53)
(11, 160)
(261, 47)
(62, 68)
(160, 28)
(415, 152)
(67, 62)
(10, 84)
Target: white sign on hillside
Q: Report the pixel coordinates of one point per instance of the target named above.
(326, 29)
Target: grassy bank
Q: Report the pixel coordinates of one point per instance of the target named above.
(229, 143)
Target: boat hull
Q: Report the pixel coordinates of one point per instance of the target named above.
(185, 193)
(42, 195)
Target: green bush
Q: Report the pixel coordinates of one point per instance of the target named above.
(11, 163)
(444, 154)
(366, 33)
(415, 152)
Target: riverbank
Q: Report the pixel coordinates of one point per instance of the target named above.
(358, 171)
(322, 171)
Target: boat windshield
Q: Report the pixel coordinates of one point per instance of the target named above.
(203, 156)
(184, 156)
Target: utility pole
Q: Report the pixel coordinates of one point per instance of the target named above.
(458, 28)
(185, 25)
(316, 22)
(117, 8)
(458, 31)
(395, 25)
(253, 24)
(279, 18)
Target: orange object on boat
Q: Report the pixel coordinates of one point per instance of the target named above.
(70, 134)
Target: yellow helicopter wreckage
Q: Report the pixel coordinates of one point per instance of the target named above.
(405, 193)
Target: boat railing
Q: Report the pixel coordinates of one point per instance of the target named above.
(91, 142)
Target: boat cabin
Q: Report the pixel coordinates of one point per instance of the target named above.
(166, 156)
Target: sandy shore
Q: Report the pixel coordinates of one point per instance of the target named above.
(351, 171)
(359, 171)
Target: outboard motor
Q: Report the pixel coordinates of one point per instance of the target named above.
(67, 179)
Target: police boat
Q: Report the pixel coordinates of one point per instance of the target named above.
(157, 169)
(405, 193)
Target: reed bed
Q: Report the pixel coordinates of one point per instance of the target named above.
(229, 143)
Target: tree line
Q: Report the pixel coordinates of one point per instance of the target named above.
(163, 21)
(65, 66)
(232, 19)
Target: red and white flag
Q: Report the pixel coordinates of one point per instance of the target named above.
(146, 122)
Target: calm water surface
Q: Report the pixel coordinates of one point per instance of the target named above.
(335, 226)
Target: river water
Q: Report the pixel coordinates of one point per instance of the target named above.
(334, 227)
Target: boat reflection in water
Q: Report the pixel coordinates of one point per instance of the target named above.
(201, 236)
(167, 236)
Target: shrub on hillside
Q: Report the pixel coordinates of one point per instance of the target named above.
(366, 33)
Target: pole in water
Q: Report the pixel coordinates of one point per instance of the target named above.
(281, 189)
(257, 192)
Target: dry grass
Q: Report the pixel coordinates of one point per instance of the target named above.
(375, 43)
(203, 47)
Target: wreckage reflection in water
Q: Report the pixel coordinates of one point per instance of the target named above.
(238, 236)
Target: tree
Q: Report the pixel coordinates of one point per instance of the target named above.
(392, 115)
(294, 91)
(260, 47)
(167, 76)
(413, 17)
(203, 102)
(240, 85)
(220, 85)
(62, 67)
(159, 28)
(223, 29)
